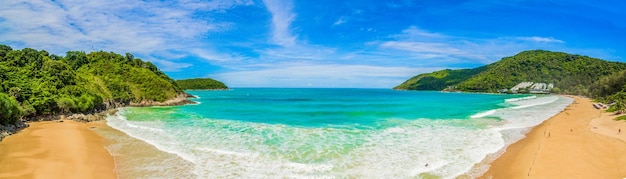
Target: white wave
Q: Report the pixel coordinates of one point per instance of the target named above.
(150, 135)
(225, 152)
(195, 103)
(519, 99)
(144, 128)
(483, 114)
(535, 102)
(308, 168)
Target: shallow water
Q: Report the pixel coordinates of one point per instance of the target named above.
(335, 133)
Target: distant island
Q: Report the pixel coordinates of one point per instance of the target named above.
(201, 84)
(535, 71)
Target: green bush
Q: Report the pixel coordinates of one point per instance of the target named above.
(10, 111)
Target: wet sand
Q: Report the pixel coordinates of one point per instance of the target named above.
(56, 149)
(580, 142)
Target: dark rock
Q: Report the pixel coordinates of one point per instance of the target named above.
(181, 99)
(11, 129)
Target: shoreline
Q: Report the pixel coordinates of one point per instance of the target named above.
(567, 145)
(579, 141)
(57, 149)
(71, 147)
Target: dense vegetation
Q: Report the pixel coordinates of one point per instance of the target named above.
(571, 74)
(36, 83)
(439, 80)
(201, 83)
(612, 89)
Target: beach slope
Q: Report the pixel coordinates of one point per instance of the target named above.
(56, 149)
(564, 146)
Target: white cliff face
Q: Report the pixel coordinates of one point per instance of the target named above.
(533, 87)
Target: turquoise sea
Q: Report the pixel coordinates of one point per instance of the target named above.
(329, 133)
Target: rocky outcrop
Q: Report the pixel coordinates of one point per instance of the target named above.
(11, 129)
(180, 99)
(92, 117)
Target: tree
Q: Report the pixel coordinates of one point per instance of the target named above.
(129, 57)
(66, 104)
(4, 50)
(10, 111)
(76, 59)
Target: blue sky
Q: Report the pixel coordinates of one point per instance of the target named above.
(322, 43)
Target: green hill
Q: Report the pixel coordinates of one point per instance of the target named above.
(572, 74)
(44, 84)
(200, 83)
(438, 80)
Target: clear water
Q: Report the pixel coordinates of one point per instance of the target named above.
(334, 133)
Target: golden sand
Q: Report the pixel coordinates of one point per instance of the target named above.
(56, 150)
(580, 142)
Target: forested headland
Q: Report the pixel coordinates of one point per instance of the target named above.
(201, 84)
(35, 83)
(571, 74)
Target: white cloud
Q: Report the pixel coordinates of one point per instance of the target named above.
(415, 33)
(289, 48)
(169, 65)
(281, 20)
(215, 56)
(341, 20)
(421, 47)
(144, 28)
(541, 39)
(441, 48)
(214, 5)
(321, 75)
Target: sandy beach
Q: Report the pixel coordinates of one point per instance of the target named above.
(56, 149)
(580, 142)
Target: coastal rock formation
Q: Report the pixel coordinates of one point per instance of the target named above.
(87, 118)
(180, 99)
(11, 129)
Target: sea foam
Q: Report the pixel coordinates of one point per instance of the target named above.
(397, 148)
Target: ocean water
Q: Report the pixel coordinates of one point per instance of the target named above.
(329, 133)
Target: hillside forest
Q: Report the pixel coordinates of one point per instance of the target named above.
(571, 74)
(36, 83)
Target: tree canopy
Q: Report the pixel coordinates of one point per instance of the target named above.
(39, 83)
(201, 83)
(438, 80)
(611, 89)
